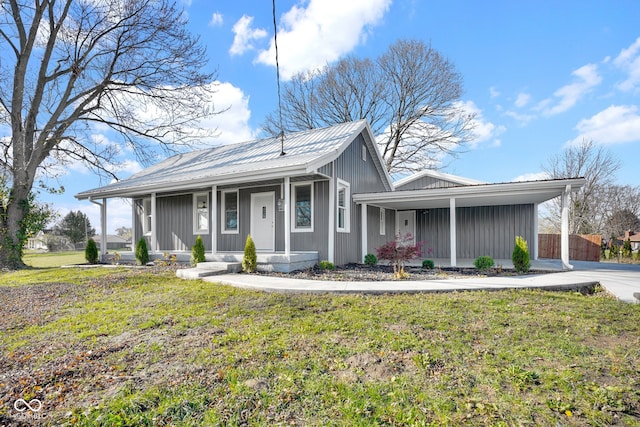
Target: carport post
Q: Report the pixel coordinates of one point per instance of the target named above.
(564, 229)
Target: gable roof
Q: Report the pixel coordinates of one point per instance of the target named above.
(436, 175)
(249, 161)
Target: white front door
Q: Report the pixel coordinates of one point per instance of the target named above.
(406, 225)
(263, 223)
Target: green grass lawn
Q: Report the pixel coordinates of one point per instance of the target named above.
(53, 259)
(139, 347)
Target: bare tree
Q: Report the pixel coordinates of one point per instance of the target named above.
(70, 64)
(588, 207)
(410, 96)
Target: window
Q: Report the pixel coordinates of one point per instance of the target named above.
(146, 217)
(383, 224)
(302, 207)
(344, 205)
(230, 212)
(364, 152)
(200, 213)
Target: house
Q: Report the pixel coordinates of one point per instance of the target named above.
(38, 242)
(633, 237)
(114, 242)
(321, 194)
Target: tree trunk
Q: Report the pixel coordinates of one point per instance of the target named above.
(12, 234)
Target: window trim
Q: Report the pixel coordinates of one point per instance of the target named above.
(197, 230)
(346, 228)
(223, 212)
(146, 217)
(383, 221)
(294, 227)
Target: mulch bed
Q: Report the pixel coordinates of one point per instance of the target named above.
(381, 272)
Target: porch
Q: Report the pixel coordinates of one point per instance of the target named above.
(267, 261)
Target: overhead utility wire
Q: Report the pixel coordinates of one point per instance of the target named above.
(275, 42)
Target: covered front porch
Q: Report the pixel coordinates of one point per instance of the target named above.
(453, 200)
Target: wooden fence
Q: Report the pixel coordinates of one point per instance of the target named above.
(582, 247)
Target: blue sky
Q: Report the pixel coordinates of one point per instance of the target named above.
(539, 75)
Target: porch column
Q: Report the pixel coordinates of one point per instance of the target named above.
(133, 225)
(452, 231)
(154, 234)
(363, 230)
(103, 226)
(535, 231)
(287, 216)
(214, 219)
(564, 229)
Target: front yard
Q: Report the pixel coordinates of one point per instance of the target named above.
(141, 347)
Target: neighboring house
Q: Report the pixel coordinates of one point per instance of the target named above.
(633, 237)
(329, 197)
(113, 242)
(38, 242)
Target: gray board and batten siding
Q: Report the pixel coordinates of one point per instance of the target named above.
(480, 230)
(362, 177)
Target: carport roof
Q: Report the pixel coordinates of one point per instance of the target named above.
(508, 193)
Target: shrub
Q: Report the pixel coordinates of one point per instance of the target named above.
(483, 263)
(428, 264)
(91, 252)
(626, 249)
(142, 254)
(250, 259)
(370, 259)
(197, 251)
(398, 252)
(326, 265)
(520, 256)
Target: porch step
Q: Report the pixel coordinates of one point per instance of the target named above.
(205, 269)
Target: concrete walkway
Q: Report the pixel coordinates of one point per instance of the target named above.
(621, 280)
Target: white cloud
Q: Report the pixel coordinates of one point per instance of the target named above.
(522, 119)
(522, 99)
(322, 32)
(629, 60)
(232, 123)
(567, 96)
(493, 92)
(216, 20)
(614, 125)
(482, 130)
(245, 35)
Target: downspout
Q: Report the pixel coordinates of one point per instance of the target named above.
(331, 242)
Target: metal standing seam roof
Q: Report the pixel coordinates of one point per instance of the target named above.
(252, 160)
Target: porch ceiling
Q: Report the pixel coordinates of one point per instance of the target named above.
(473, 195)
